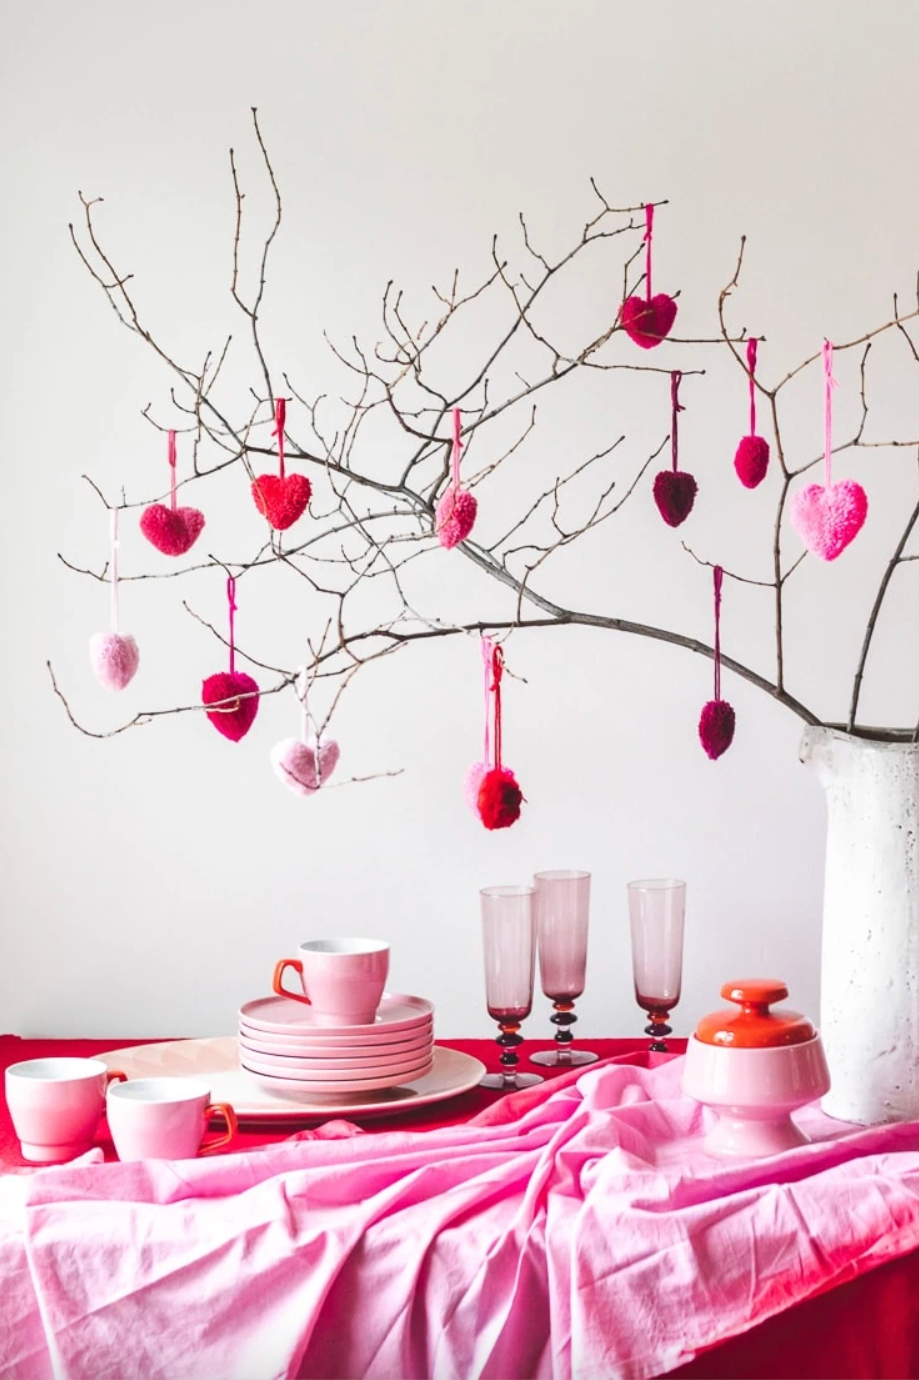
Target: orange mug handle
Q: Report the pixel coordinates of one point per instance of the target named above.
(115, 1076)
(277, 985)
(229, 1116)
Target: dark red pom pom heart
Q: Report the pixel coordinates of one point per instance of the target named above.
(751, 461)
(235, 719)
(647, 323)
(716, 728)
(281, 501)
(674, 493)
(171, 530)
(499, 798)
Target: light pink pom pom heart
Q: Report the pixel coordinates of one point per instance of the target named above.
(827, 520)
(115, 659)
(295, 763)
(472, 784)
(455, 516)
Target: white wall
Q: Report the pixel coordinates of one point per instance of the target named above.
(150, 881)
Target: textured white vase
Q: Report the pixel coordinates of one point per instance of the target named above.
(869, 992)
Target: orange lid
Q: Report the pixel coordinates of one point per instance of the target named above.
(754, 1026)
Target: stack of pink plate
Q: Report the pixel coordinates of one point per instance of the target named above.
(283, 1047)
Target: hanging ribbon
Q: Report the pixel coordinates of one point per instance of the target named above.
(829, 383)
(231, 601)
(487, 652)
(675, 408)
(751, 366)
(457, 447)
(718, 580)
(649, 230)
(113, 591)
(280, 420)
(497, 670)
(302, 693)
(171, 453)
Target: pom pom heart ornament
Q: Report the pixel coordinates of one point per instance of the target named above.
(456, 510)
(301, 766)
(172, 530)
(716, 722)
(499, 799)
(828, 516)
(115, 659)
(751, 459)
(491, 790)
(281, 498)
(648, 320)
(234, 694)
(674, 489)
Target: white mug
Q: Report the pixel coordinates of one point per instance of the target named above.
(341, 979)
(164, 1119)
(55, 1105)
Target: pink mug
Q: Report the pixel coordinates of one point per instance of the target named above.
(55, 1105)
(165, 1119)
(342, 980)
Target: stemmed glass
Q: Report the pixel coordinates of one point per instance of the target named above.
(657, 908)
(509, 938)
(562, 911)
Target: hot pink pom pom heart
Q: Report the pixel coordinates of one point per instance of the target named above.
(234, 719)
(716, 728)
(674, 493)
(455, 516)
(647, 323)
(826, 520)
(114, 658)
(171, 530)
(281, 501)
(751, 461)
(299, 766)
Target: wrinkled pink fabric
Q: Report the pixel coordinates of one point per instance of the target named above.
(576, 1231)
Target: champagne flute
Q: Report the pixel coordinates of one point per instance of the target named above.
(562, 912)
(509, 938)
(657, 909)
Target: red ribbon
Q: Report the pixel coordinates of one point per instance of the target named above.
(280, 418)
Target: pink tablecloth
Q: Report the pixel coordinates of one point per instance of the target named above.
(574, 1231)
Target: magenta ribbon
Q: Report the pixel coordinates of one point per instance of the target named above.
(751, 365)
(675, 407)
(719, 577)
(649, 230)
(231, 601)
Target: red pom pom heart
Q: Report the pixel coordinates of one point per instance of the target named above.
(300, 767)
(499, 798)
(281, 501)
(751, 461)
(674, 493)
(826, 520)
(171, 530)
(115, 659)
(455, 516)
(716, 728)
(234, 719)
(647, 323)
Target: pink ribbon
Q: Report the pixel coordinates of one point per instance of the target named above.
(457, 446)
(649, 230)
(829, 383)
(719, 577)
(113, 593)
(302, 690)
(171, 453)
(280, 419)
(487, 649)
(675, 407)
(231, 601)
(751, 365)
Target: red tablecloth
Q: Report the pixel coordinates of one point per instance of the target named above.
(865, 1330)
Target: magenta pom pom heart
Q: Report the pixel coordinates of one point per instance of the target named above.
(234, 718)
(171, 530)
(751, 461)
(114, 658)
(716, 728)
(302, 769)
(455, 516)
(827, 520)
(674, 493)
(281, 499)
(647, 323)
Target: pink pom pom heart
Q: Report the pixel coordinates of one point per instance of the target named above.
(751, 461)
(472, 784)
(171, 530)
(302, 769)
(455, 516)
(235, 718)
(648, 323)
(115, 658)
(716, 728)
(674, 493)
(827, 520)
(281, 499)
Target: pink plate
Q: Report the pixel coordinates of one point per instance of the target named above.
(281, 1016)
(297, 1087)
(339, 1047)
(331, 1057)
(315, 1071)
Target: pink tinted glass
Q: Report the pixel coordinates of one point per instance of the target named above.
(509, 938)
(656, 912)
(562, 912)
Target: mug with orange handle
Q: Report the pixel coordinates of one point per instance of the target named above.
(342, 980)
(165, 1119)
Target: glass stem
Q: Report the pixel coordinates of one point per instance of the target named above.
(563, 1019)
(657, 1029)
(509, 1038)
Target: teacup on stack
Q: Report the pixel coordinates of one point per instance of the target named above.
(340, 1033)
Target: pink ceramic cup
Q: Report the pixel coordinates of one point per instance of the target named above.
(342, 980)
(55, 1106)
(165, 1119)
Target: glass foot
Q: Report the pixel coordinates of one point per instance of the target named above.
(511, 1082)
(569, 1059)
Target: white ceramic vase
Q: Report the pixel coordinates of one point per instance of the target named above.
(869, 994)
